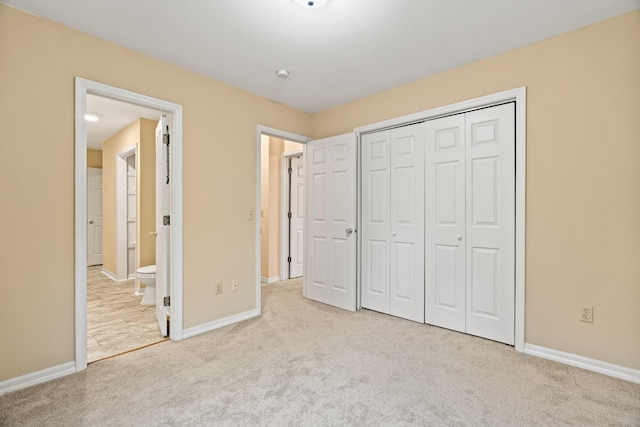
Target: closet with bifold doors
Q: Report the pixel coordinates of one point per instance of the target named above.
(470, 222)
(438, 222)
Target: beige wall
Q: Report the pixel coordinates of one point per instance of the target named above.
(264, 207)
(583, 178)
(94, 159)
(39, 60)
(146, 162)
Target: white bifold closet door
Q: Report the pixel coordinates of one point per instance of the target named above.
(470, 222)
(393, 222)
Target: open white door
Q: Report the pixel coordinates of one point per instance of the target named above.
(330, 261)
(94, 216)
(162, 221)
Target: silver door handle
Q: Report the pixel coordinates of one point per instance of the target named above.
(349, 231)
(90, 221)
(153, 233)
(459, 237)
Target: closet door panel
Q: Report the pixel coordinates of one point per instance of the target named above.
(375, 221)
(445, 222)
(407, 222)
(490, 216)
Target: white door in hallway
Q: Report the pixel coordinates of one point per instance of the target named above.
(94, 216)
(470, 223)
(393, 222)
(296, 227)
(163, 193)
(330, 266)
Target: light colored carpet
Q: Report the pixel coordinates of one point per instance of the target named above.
(304, 363)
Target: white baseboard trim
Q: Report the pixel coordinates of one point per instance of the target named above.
(109, 274)
(616, 371)
(270, 279)
(216, 324)
(37, 377)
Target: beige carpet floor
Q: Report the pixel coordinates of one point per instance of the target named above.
(303, 363)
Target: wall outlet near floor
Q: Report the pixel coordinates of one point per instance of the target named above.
(586, 314)
(219, 288)
(234, 285)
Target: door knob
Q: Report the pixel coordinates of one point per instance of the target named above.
(90, 221)
(459, 237)
(349, 230)
(153, 233)
(393, 234)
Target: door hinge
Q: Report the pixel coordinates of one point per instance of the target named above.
(166, 301)
(165, 138)
(290, 170)
(288, 259)
(289, 215)
(166, 220)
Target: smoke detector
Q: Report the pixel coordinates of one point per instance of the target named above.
(283, 74)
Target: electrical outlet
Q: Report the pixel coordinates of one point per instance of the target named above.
(219, 288)
(586, 314)
(234, 285)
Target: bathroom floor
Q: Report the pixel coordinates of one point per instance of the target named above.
(116, 321)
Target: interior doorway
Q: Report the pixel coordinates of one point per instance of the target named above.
(274, 150)
(293, 215)
(121, 143)
(172, 226)
(281, 224)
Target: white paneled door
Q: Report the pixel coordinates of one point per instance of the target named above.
(94, 216)
(296, 227)
(393, 222)
(470, 223)
(330, 262)
(376, 222)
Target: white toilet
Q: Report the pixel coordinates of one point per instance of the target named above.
(147, 276)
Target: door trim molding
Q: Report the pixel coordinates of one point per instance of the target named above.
(277, 133)
(82, 88)
(284, 224)
(519, 95)
(122, 273)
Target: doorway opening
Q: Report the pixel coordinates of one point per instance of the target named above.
(130, 215)
(281, 225)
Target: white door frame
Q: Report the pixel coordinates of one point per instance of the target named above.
(276, 133)
(82, 88)
(121, 273)
(284, 219)
(519, 96)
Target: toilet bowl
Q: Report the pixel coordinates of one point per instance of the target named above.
(147, 276)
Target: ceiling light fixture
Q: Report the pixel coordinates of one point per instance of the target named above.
(311, 4)
(91, 117)
(283, 74)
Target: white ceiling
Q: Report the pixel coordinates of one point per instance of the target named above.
(342, 51)
(112, 116)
